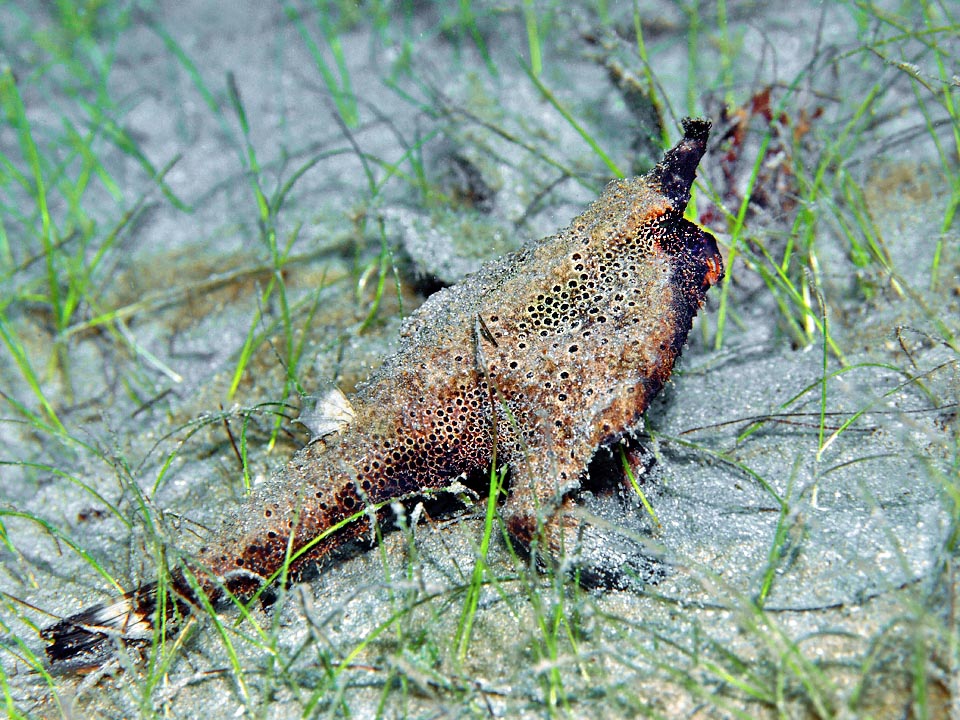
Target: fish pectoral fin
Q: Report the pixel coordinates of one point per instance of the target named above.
(538, 486)
(543, 518)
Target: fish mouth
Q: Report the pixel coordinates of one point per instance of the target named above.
(714, 272)
(697, 250)
(712, 260)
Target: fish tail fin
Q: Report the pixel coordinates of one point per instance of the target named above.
(88, 639)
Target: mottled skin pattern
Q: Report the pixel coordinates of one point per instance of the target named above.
(545, 355)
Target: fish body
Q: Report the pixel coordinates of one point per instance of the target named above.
(535, 362)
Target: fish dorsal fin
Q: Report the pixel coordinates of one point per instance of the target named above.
(326, 412)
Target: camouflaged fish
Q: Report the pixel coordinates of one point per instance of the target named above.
(536, 361)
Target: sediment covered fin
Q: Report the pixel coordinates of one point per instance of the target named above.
(89, 638)
(678, 169)
(326, 412)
